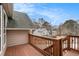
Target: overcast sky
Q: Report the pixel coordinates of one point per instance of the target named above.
(54, 13)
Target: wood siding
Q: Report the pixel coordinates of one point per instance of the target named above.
(15, 37)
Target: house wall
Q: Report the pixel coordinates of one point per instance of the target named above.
(17, 37)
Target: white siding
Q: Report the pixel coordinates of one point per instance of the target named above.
(16, 37)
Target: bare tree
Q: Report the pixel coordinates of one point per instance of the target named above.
(69, 27)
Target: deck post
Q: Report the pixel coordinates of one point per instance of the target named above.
(29, 38)
(57, 48)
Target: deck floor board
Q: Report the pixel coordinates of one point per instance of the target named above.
(28, 50)
(22, 50)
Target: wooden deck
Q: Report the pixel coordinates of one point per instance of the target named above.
(28, 50)
(22, 50)
(47, 47)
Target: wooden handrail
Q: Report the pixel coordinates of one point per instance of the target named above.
(44, 37)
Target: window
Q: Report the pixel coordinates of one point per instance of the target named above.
(3, 23)
(4, 18)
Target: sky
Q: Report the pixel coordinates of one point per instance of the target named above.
(54, 13)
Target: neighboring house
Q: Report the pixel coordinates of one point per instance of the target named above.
(42, 27)
(41, 32)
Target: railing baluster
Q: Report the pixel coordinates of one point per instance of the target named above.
(47, 43)
(76, 42)
(68, 42)
(64, 44)
(73, 42)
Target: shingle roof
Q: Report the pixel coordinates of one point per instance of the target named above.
(20, 20)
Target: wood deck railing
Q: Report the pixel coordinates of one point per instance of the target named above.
(71, 43)
(50, 46)
(47, 46)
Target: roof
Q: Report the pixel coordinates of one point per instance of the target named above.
(8, 8)
(20, 20)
